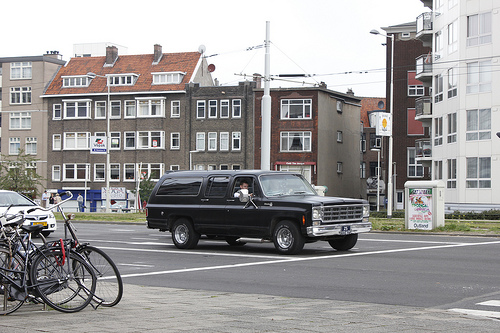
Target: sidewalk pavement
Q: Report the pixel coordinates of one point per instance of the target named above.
(156, 309)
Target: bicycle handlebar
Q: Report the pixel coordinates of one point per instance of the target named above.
(68, 193)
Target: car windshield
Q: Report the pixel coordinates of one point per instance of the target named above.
(14, 199)
(285, 184)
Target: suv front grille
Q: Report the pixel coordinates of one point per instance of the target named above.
(342, 213)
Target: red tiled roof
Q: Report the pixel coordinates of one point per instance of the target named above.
(141, 65)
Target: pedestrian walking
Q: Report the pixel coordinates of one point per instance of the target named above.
(45, 198)
(80, 202)
(57, 199)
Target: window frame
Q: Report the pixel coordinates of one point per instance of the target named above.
(305, 138)
(87, 104)
(175, 137)
(286, 108)
(20, 96)
(23, 118)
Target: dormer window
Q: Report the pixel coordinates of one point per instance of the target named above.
(168, 77)
(123, 79)
(75, 81)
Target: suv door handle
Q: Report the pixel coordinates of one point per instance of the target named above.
(205, 200)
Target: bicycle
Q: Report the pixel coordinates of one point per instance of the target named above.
(62, 279)
(109, 288)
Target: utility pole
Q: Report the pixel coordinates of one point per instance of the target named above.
(265, 140)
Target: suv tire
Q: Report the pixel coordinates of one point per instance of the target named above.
(345, 243)
(183, 234)
(287, 238)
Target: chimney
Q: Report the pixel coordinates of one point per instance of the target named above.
(350, 92)
(258, 80)
(111, 55)
(158, 54)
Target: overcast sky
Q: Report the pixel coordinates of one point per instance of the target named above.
(322, 37)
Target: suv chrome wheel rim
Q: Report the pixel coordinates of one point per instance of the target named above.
(181, 234)
(284, 238)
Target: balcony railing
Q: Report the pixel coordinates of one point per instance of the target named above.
(423, 148)
(423, 106)
(424, 64)
(424, 23)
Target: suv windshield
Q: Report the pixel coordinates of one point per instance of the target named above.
(285, 184)
(15, 199)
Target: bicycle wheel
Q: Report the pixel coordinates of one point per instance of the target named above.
(65, 283)
(11, 267)
(109, 287)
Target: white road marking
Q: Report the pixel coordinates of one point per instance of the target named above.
(479, 313)
(282, 259)
(406, 241)
(490, 303)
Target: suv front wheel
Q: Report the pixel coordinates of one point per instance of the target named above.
(345, 243)
(183, 234)
(287, 238)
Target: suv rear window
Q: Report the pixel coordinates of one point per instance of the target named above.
(180, 186)
(217, 186)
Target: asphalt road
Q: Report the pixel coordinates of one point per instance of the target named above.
(430, 271)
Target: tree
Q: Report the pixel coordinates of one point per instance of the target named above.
(18, 173)
(146, 188)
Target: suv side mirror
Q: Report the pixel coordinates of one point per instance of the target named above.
(244, 196)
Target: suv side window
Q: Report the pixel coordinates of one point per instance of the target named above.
(217, 186)
(249, 180)
(180, 186)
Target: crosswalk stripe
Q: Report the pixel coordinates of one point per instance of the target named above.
(480, 313)
(490, 303)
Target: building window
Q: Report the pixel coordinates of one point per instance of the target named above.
(130, 109)
(362, 143)
(14, 146)
(452, 174)
(114, 172)
(200, 109)
(224, 141)
(438, 40)
(452, 37)
(212, 109)
(340, 167)
(122, 80)
(236, 141)
(150, 140)
(76, 109)
(452, 127)
(168, 78)
(31, 144)
(100, 110)
(224, 108)
(75, 172)
(478, 172)
(175, 141)
(479, 29)
(375, 141)
(438, 131)
(478, 124)
(175, 109)
(212, 141)
(236, 167)
(129, 140)
(56, 142)
(224, 167)
(151, 108)
(20, 120)
(116, 109)
(115, 140)
(76, 140)
(362, 170)
(20, 95)
(75, 81)
(296, 108)
(415, 168)
(452, 82)
(56, 173)
(295, 141)
(129, 172)
(438, 87)
(438, 170)
(479, 77)
(340, 106)
(20, 70)
(340, 137)
(236, 108)
(152, 170)
(99, 172)
(175, 167)
(56, 112)
(200, 141)
(415, 90)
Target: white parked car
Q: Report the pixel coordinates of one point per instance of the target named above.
(19, 202)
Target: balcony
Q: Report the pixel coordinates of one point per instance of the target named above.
(424, 29)
(423, 151)
(424, 69)
(427, 3)
(423, 110)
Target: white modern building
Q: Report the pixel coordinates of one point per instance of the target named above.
(463, 109)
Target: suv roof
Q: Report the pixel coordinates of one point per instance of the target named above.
(202, 173)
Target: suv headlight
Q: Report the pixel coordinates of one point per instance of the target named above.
(317, 213)
(366, 210)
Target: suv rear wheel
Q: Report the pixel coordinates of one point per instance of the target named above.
(287, 238)
(183, 234)
(345, 243)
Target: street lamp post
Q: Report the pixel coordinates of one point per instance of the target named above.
(391, 89)
(378, 177)
(108, 139)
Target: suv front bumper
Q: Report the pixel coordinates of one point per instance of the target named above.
(339, 229)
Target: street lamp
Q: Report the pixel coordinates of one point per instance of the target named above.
(389, 166)
(108, 139)
(378, 176)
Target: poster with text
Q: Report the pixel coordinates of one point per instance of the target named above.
(420, 209)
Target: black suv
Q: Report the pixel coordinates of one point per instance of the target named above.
(244, 205)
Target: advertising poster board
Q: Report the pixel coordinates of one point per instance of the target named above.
(420, 208)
